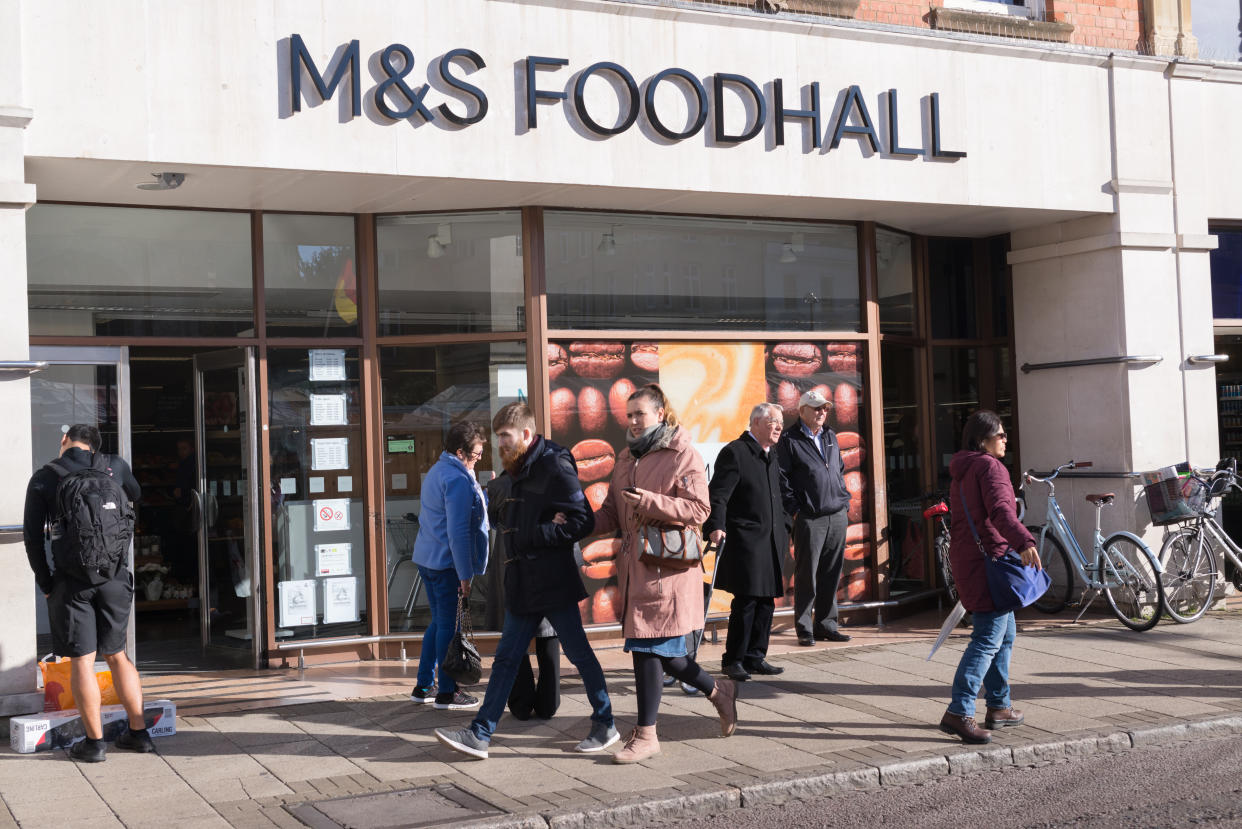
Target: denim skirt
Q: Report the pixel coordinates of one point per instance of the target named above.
(660, 645)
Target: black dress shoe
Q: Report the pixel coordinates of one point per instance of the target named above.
(806, 641)
(735, 672)
(833, 636)
(765, 668)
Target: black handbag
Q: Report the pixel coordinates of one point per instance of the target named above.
(462, 662)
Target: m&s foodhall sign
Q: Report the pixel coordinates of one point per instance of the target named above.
(398, 96)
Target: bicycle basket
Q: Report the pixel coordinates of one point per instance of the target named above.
(1175, 499)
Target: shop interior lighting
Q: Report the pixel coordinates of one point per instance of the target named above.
(608, 242)
(787, 254)
(439, 241)
(163, 181)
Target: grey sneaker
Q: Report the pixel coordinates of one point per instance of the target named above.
(463, 740)
(458, 700)
(600, 738)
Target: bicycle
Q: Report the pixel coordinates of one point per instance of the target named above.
(939, 513)
(1187, 554)
(1122, 567)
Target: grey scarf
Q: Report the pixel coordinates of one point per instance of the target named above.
(657, 437)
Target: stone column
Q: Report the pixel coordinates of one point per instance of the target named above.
(17, 589)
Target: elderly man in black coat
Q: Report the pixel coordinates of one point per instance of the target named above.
(751, 503)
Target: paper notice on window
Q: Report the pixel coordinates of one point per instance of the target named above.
(297, 602)
(331, 514)
(326, 364)
(314, 485)
(340, 600)
(333, 559)
(288, 486)
(329, 453)
(345, 483)
(327, 410)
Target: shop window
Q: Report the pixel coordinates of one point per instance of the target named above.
(310, 276)
(955, 390)
(895, 275)
(425, 391)
(459, 272)
(951, 288)
(998, 249)
(124, 271)
(903, 462)
(1226, 265)
(752, 274)
(317, 484)
(712, 387)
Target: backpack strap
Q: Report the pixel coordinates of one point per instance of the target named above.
(58, 466)
(102, 463)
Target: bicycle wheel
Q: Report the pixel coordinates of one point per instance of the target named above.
(1131, 585)
(946, 572)
(1189, 577)
(1057, 562)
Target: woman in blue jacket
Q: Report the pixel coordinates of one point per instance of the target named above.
(450, 550)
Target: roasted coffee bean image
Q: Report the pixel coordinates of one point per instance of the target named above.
(645, 356)
(596, 494)
(595, 459)
(599, 559)
(597, 360)
(618, 395)
(842, 357)
(845, 410)
(592, 410)
(558, 361)
(786, 397)
(606, 604)
(856, 484)
(563, 410)
(857, 533)
(796, 359)
(853, 458)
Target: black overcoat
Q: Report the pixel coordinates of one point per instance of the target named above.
(749, 498)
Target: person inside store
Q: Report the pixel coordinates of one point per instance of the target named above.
(659, 480)
(88, 607)
(529, 697)
(751, 505)
(811, 460)
(981, 493)
(543, 516)
(183, 552)
(451, 549)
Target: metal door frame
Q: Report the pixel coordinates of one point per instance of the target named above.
(242, 357)
(117, 356)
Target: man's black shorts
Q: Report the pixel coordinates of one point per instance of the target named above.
(87, 618)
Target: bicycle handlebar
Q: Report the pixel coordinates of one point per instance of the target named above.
(1030, 475)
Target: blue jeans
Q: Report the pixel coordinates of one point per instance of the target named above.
(985, 662)
(515, 639)
(442, 586)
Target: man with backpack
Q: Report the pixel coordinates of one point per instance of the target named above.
(82, 501)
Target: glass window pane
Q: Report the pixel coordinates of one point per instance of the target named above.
(895, 273)
(450, 273)
(998, 249)
(125, 271)
(1226, 265)
(425, 391)
(955, 392)
(676, 272)
(310, 283)
(712, 387)
(903, 458)
(951, 288)
(318, 511)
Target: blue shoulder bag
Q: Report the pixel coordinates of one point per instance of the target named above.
(1012, 584)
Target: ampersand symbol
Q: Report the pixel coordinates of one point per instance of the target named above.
(395, 79)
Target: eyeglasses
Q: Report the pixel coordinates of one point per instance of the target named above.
(1001, 435)
(474, 456)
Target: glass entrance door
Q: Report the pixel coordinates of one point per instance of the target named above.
(79, 385)
(226, 499)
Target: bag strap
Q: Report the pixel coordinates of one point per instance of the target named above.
(463, 618)
(970, 521)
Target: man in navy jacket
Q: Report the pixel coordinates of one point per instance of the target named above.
(811, 459)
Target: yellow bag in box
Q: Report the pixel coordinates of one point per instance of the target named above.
(57, 690)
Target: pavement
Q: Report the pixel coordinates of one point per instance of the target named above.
(842, 716)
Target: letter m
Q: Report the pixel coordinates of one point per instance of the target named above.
(299, 58)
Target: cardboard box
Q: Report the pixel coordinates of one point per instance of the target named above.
(61, 729)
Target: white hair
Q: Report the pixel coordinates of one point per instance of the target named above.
(762, 409)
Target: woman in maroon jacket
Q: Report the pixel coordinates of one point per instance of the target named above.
(981, 484)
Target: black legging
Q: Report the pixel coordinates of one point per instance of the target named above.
(649, 670)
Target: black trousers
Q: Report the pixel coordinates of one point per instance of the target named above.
(750, 625)
(540, 698)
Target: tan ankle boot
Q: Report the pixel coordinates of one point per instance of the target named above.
(641, 745)
(724, 697)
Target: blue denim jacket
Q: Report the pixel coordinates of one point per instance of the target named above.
(451, 529)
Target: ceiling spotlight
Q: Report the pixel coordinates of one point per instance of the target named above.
(787, 254)
(439, 241)
(163, 181)
(608, 243)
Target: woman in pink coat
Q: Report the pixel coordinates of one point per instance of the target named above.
(659, 479)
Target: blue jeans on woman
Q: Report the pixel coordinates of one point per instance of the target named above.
(985, 662)
(442, 587)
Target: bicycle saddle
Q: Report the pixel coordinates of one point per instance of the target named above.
(940, 509)
(1098, 498)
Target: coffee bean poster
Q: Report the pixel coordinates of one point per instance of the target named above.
(712, 387)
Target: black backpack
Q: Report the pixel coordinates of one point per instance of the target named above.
(94, 522)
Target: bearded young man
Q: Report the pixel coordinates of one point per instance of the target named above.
(544, 514)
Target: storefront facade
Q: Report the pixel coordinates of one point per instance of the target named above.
(393, 219)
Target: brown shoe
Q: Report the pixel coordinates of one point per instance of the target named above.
(724, 697)
(641, 745)
(1001, 717)
(965, 728)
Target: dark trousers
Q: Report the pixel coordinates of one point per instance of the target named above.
(819, 553)
(540, 698)
(750, 624)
